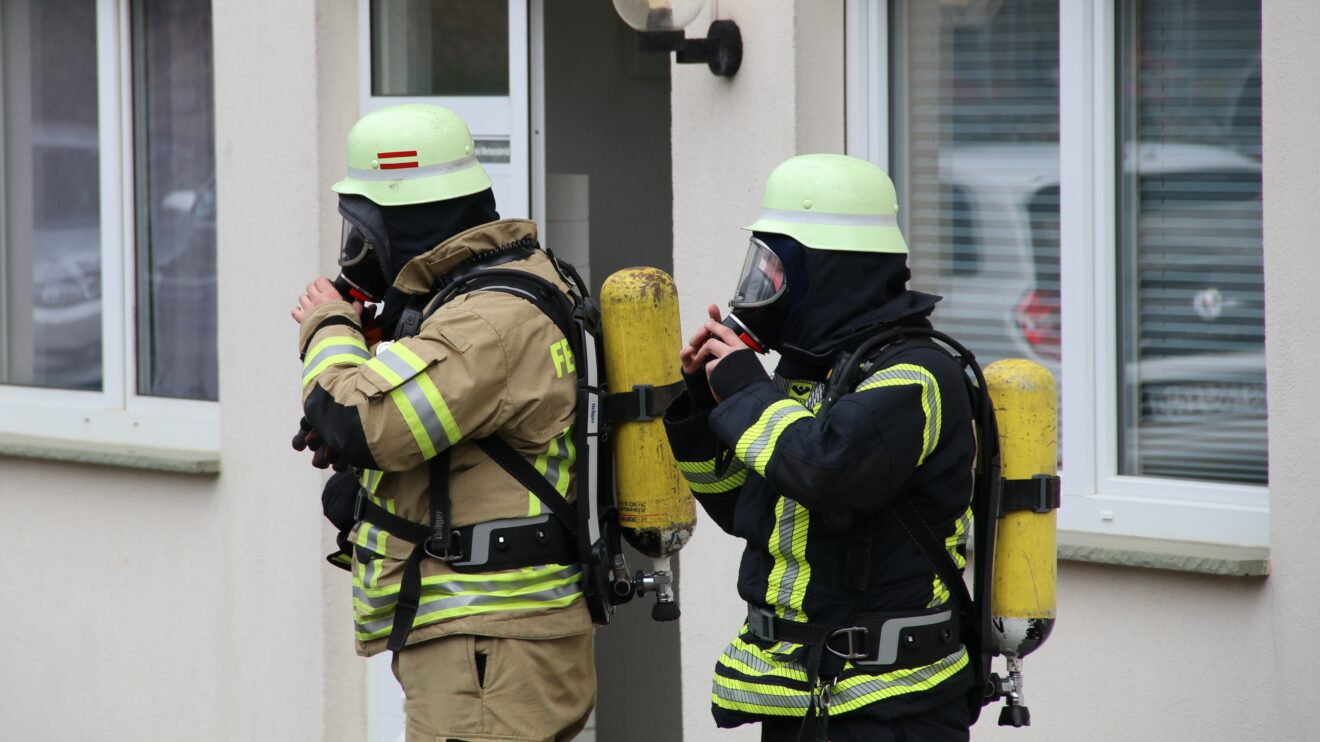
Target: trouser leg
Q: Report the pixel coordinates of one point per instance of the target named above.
(484, 688)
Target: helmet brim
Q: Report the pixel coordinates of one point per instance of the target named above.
(404, 192)
(845, 238)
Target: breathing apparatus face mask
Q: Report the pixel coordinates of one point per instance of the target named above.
(760, 303)
(362, 251)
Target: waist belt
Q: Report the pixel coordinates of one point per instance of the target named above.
(485, 547)
(875, 642)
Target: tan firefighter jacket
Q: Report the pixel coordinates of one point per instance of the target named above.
(483, 363)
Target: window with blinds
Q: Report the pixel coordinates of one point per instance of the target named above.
(1191, 321)
(976, 160)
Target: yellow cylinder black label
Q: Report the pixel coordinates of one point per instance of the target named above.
(639, 314)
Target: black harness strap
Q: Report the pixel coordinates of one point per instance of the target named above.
(527, 475)
(1040, 494)
(643, 402)
(439, 537)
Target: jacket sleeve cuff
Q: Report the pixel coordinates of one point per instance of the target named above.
(331, 312)
(698, 390)
(735, 372)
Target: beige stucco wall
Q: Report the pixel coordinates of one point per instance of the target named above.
(1137, 654)
(149, 606)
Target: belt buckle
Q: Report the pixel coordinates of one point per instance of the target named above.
(453, 551)
(761, 623)
(857, 636)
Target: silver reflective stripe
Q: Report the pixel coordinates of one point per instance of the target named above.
(798, 699)
(397, 365)
(795, 697)
(462, 601)
(754, 662)
(885, 682)
(830, 218)
(787, 527)
(426, 414)
(335, 350)
(413, 173)
(755, 448)
(449, 599)
(556, 455)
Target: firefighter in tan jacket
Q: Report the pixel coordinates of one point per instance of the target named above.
(455, 565)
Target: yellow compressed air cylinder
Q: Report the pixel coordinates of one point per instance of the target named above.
(1022, 602)
(639, 314)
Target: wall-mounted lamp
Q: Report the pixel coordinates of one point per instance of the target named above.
(660, 24)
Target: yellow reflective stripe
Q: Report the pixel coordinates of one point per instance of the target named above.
(348, 340)
(379, 629)
(724, 485)
(697, 467)
(336, 349)
(395, 363)
(754, 698)
(419, 402)
(370, 537)
(940, 591)
(534, 502)
(701, 477)
(853, 692)
(556, 465)
(786, 586)
(415, 426)
(862, 690)
(385, 372)
(339, 350)
(750, 659)
(370, 480)
(440, 408)
(757, 444)
(566, 465)
(907, 374)
(449, 596)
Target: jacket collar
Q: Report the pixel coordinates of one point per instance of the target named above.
(423, 272)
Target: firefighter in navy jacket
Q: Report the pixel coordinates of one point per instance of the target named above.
(827, 572)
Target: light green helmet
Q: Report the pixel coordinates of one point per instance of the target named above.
(832, 202)
(411, 154)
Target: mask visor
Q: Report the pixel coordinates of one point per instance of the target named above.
(354, 247)
(762, 280)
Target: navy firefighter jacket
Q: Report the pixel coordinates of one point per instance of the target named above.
(768, 470)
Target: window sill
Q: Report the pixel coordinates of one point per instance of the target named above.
(111, 454)
(1181, 556)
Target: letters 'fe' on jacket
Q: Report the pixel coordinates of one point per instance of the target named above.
(769, 471)
(484, 363)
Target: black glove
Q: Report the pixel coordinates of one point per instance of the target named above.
(323, 456)
(339, 504)
(338, 500)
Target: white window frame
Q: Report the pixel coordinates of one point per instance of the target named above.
(115, 425)
(486, 116)
(1097, 500)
